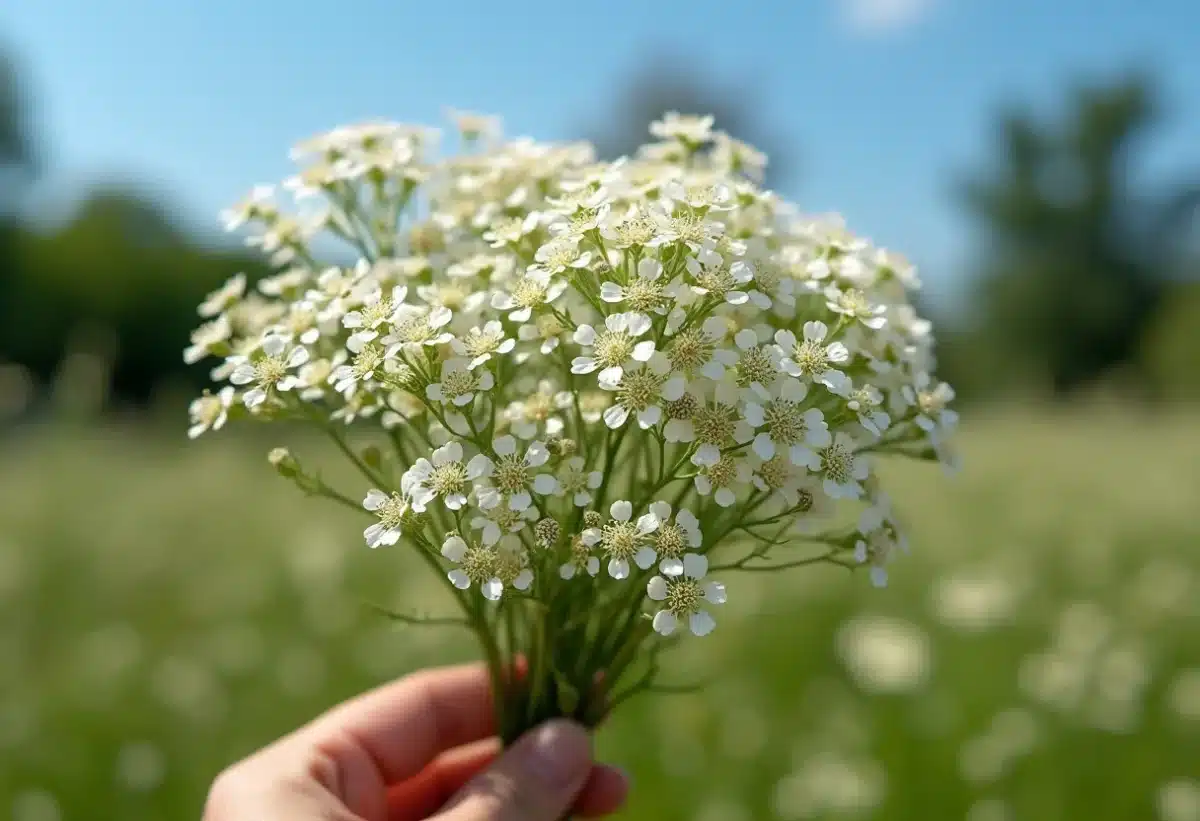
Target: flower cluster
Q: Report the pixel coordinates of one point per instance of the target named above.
(581, 380)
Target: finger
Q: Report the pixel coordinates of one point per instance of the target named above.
(404, 725)
(427, 792)
(537, 779)
(423, 795)
(604, 793)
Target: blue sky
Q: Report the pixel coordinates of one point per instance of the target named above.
(885, 99)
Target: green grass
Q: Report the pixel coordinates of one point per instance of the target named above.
(167, 607)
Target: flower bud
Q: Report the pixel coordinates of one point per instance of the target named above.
(592, 519)
(284, 463)
(373, 456)
(562, 446)
(546, 532)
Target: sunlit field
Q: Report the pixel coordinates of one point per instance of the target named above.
(167, 607)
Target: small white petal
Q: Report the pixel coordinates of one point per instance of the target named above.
(492, 589)
(763, 446)
(701, 623)
(642, 351)
(665, 623)
(615, 416)
(695, 565)
(645, 557)
(656, 588)
(459, 579)
(647, 523)
(618, 569)
(454, 548)
(714, 592)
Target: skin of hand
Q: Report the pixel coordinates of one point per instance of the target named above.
(421, 747)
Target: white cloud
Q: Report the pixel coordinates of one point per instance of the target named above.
(881, 16)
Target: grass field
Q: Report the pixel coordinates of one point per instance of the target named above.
(167, 607)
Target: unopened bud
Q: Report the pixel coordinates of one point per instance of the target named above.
(373, 456)
(561, 446)
(592, 519)
(546, 532)
(284, 463)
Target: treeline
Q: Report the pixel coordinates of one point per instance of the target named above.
(1084, 278)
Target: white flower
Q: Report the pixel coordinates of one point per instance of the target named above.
(481, 343)
(789, 426)
(695, 231)
(459, 384)
(511, 230)
(865, 402)
(683, 597)
(476, 563)
(574, 480)
(708, 196)
(755, 372)
(377, 309)
(393, 511)
(672, 539)
(810, 359)
(489, 568)
(207, 339)
(687, 128)
(694, 352)
(639, 392)
(646, 292)
(716, 425)
(370, 360)
(581, 560)
(537, 414)
(209, 412)
(931, 402)
(256, 205)
(224, 297)
(842, 472)
(561, 253)
(510, 475)
(854, 304)
(445, 475)
(624, 541)
(269, 371)
(531, 291)
(721, 479)
(614, 348)
(713, 276)
(414, 327)
(876, 549)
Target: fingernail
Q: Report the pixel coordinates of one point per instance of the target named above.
(560, 752)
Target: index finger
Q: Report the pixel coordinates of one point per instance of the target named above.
(404, 725)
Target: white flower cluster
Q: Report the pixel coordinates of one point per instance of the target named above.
(582, 370)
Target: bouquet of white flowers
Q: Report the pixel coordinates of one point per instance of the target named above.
(586, 390)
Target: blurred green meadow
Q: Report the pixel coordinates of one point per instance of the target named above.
(167, 607)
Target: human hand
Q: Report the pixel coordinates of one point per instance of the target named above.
(419, 748)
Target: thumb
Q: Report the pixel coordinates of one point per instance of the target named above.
(537, 779)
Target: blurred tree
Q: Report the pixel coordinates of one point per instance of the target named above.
(121, 267)
(18, 160)
(671, 83)
(1076, 260)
